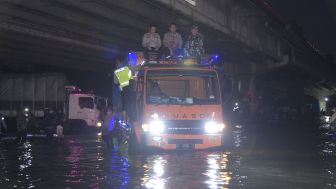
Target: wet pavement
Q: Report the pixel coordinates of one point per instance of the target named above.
(263, 156)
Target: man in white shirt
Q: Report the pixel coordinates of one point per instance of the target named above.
(172, 41)
(151, 42)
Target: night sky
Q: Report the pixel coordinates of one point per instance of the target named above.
(317, 19)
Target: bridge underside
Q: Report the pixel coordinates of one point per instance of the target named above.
(88, 35)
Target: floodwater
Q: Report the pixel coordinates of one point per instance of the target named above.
(269, 156)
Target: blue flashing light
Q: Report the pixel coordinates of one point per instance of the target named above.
(111, 123)
(132, 58)
(215, 57)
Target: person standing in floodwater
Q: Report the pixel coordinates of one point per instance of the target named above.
(22, 123)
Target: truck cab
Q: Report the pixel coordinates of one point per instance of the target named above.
(179, 107)
(87, 108)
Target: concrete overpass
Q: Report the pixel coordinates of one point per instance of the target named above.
(255, 45)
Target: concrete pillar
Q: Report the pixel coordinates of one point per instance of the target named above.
(252, 89)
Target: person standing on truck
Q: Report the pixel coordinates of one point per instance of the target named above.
(193, 47)
(116, 93)
(151, 42)
(22, 121)
(124, 87)
(172, 42)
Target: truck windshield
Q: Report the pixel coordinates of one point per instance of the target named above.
(86, 102)
(101, 105)
(181, 87)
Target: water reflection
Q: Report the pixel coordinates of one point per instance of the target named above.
(217, 172)
(153, 173)
(118, 171)
(76, 151)
(83, 162)
(25, 159)
(328, 153)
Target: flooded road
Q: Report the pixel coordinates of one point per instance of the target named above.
(261, 157)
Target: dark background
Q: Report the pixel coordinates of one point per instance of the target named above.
(315, 18)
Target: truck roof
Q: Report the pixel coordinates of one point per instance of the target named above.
(159, 65)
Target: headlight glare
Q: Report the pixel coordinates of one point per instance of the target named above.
(155, 127)
(99, 124)
(212, 127)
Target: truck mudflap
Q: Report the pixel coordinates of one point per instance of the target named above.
(175, 142)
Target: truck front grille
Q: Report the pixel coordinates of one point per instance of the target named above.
(184, 127)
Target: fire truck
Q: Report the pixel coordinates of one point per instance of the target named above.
(179, 106)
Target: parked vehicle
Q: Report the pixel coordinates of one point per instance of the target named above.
(38, 92)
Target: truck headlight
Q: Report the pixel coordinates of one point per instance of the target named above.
(154, 127)
(214, 127)
(99, 124)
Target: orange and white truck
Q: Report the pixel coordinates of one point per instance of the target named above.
(179, 106)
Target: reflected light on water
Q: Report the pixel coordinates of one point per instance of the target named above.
(76, 173)
(217, 173)
(154, 179)
(25, 159)
(26, 156)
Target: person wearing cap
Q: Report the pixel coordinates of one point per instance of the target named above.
(123, 84)
(194, 45)
(172, 41)
(151, 41)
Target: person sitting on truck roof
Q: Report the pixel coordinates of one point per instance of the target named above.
(193, 47)
(172, 42)
(151, 42)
